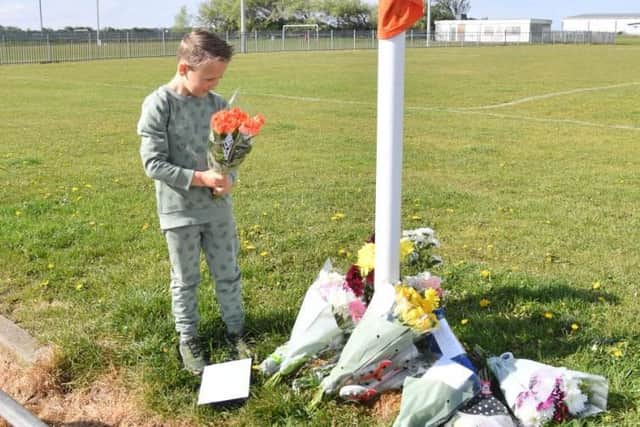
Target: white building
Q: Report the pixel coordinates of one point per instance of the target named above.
(493, 31)
(628, 23)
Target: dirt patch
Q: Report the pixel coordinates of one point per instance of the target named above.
(106, 402)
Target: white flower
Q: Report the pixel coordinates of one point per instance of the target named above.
(574, 398)
(529, 415)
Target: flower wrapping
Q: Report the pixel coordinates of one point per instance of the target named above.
(378, 339)
(431, 399)
(328, 311)
(539, 393)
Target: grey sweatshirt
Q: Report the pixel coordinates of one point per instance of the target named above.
(174, 131)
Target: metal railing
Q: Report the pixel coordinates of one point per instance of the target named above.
(15, 414)
(43, 47)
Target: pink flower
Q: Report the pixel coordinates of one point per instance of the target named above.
(356, 310)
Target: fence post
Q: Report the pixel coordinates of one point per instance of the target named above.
(164, 46)
(128, 46)
(354, 39)
(2, 50)
(48, 49)
(255, 37)
(331, 39)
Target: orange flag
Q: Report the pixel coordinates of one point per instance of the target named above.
(395, 16)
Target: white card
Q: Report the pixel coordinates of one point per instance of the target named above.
(225, 381)
(449, 372)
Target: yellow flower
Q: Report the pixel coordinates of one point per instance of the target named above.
(50, 266)
(548, 315)
(264, 253)
(575, 326)
(595, 285)
(485, 274)
(366, 258)
(249, 247)
(88, 186)
(74, 189)
(343, 252)
(416, 217)
(44, 284)
(484, 303)
(337, 216)
(145, 226)
(18, 213)
(616, 352)
(79, 286)
(406, 248)
(464, 322)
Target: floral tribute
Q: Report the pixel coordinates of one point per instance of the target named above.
(231, 138)
(539, 393)
(333, 306)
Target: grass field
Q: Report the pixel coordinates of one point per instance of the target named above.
(524, 159)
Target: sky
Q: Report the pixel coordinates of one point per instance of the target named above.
(58, 14)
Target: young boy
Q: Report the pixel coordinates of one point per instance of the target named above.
(174, 127)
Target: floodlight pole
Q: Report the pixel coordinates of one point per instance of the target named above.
(428, 22)
(40, 9)
(243, 48)
(98, 29)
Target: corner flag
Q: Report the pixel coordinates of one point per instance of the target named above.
(395, 16)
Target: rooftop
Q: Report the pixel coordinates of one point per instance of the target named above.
(605, 16)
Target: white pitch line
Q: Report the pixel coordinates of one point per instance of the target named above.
(550, 95)
(546, 120)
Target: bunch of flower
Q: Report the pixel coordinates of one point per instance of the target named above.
(538, 393)
(550, 396)
(416, 309)
(347, 307)
(231, 138)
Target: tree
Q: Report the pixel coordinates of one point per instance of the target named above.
(347, 14)
(182, 20)
(458, 8)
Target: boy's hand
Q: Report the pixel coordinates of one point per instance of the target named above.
(219, 184)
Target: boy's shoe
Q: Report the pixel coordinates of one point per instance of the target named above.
(192, 356)
(240, 346)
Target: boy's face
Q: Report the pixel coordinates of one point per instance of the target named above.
(203, 78)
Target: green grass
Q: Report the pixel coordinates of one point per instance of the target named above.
(543, 194)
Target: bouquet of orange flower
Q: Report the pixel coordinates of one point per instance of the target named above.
(231, 138)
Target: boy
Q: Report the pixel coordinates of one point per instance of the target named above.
(174, 128)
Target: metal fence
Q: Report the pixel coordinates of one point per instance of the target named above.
(36, 47)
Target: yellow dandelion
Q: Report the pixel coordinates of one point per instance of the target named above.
(145, 226)
(489, 247)
(74, 189)
(464, 322)
(337, 216)
(595, 285)
(575, 326)
(79, 286)
(249, 247)
(264, 253)
(88, 186)
(616, 352)
(484, 303)
(50, 266)
(485, 274)
(18, 213)
(416, 217)
(343, 252)
(548, 315)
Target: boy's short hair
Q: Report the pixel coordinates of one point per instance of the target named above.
(199, 46)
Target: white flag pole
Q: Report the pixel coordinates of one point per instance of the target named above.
(388, 170)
